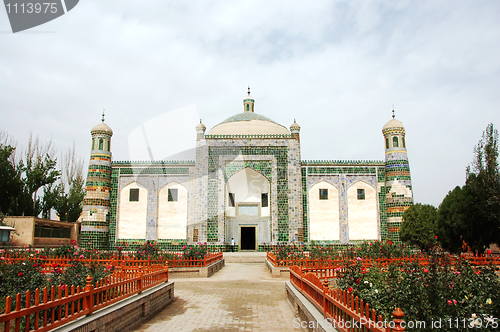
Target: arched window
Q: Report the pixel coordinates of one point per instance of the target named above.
(248, 107)
(93, 144)
(395, 142)
(404, 143)
(387, 142)
(100, 143)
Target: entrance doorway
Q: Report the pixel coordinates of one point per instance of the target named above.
(247, 237)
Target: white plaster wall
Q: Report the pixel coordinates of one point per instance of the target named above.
(323, 214)
(172, 216)
(132, 215)
(248, 185)
(362, 214)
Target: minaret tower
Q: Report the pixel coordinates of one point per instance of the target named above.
(249, 103)
(398, 189)
(96, 204)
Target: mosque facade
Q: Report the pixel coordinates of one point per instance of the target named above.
(247, 182)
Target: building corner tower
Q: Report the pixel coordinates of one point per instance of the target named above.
(398, 188)
(96, 204)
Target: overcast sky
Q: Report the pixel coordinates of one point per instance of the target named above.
(337, 67)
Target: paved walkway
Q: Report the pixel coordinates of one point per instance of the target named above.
(240, 297)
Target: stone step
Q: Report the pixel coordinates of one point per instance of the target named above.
(245, 257)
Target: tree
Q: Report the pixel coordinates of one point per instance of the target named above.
(471, 214)
(39, 168)
(68, 203)
(419, 226)
(483, 181)
(453, 218)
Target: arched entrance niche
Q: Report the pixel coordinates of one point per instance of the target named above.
(247, 207)
(172, 212)
(132, 211)
(324, 221)
(362, 212)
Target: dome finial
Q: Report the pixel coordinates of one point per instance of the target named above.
(249, 90)
(102, 120)
(393, 115)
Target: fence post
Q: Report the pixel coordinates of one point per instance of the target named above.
(398, 315)
(139, 282)
(326, 285)
(89, 298)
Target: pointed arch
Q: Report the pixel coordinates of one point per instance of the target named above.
(323, 211)
(362, 211)
(132, 211)
(172, 211)
(247, 186)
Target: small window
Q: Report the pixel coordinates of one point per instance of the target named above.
(395, 142)
(361, 194)
(133, 195)
(248, 107)
(231, 200)
(387, 142)
(172, 195)
(323, 194)
(195, 234)
(403, 141)
(265, 199)
(93, 144)
(100, 143)
(300, 234)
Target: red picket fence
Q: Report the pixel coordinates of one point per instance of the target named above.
(367, 262)
(64, 304)
(47, 263)
(344, 311)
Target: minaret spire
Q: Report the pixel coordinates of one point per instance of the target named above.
(102, 120)
(248, 102)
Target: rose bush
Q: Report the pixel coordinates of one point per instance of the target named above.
(428, 293)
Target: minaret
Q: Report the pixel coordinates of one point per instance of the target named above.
(398, 189)
(248, 103)
(96, 204)
(295, 130)
(200, 131)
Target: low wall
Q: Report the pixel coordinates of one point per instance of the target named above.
(308, 317)
(126, 314)
(276, 271)
(195, 272)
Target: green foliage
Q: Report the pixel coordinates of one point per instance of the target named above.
(471, 214)
(453, 219)
(198, 251)
(483, 181)
(148, 250)
(419, 226)
(438, 291)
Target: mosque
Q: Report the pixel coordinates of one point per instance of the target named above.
(247, 182)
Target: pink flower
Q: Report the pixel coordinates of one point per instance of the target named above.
(81, 256)
(457, 272)
(454, 301)
(449, 302)
(20, 274)
(488, 251)
(74, 241)
(425, 270)
(349, 289)
(359, 259)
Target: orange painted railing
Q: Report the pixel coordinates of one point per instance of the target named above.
(64, 304)
(367, 262)
(48, 263)
(340, 308)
